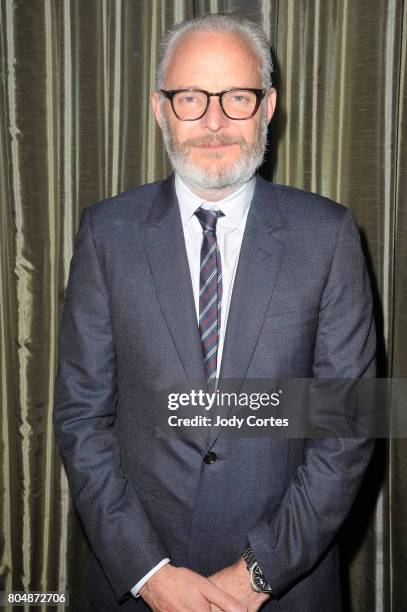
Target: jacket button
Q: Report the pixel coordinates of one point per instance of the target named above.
(210, 458)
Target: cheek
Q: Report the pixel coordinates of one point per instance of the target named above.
(179, 129)
(250, 132)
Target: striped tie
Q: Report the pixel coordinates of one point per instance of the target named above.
(210, 291)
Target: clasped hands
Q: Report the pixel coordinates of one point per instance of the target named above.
(177, 589)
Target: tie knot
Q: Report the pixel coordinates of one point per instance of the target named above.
(208, 218)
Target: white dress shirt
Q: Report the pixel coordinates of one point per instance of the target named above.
(229, 234)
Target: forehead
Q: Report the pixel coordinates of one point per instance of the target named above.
(213, 60)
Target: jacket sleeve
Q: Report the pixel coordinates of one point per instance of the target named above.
(289, 542)
(118, 528)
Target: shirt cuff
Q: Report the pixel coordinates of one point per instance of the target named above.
(135, 590)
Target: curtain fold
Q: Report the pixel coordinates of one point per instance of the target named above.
(397, 545)
(76, 126)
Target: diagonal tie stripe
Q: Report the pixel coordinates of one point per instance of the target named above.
(206, 286)
(204, 262)
(205, 310)
(210, 290)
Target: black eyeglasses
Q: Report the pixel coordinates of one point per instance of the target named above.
(236, 103)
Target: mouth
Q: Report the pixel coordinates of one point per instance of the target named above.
(215, 146)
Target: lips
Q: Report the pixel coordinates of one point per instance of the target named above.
(215, 146)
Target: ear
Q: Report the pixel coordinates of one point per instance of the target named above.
(155, 102)
(271, 103)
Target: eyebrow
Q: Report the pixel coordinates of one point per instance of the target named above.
(224, 88)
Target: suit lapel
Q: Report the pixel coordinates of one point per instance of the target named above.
(257, 271)
(167, 256)
(256, 275)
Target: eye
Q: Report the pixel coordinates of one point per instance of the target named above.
(240, 99)
(188, 100)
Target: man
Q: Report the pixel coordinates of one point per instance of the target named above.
(210, 522)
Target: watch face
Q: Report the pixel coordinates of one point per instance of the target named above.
(259, 581)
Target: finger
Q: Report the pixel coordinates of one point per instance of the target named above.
(222, 600)
(200, 604)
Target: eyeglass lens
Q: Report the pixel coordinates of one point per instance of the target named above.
(236, 104)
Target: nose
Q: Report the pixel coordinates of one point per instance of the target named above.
(214, 119)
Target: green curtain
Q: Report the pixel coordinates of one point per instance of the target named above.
(76, 126)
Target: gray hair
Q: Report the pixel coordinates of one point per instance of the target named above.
(249, 31)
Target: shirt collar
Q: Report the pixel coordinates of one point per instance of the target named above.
(235, 206)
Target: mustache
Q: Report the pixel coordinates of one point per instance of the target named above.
(212, 139)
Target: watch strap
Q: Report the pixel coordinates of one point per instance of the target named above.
(258, 581)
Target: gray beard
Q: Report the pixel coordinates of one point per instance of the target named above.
(221, 178)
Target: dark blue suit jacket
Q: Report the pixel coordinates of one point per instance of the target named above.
(301, 307)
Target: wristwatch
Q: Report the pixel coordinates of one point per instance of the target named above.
(257, 579)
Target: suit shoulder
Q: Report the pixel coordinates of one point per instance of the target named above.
(130, 205)
(299, 204)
